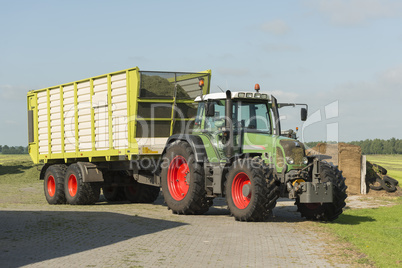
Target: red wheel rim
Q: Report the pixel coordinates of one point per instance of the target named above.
(72, 185)
(178, 178)
(239, 182)
(51, 186)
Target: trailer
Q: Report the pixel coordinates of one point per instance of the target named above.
(132, 132)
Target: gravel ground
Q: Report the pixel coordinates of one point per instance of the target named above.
(149, 235)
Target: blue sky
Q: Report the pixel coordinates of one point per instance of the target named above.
(343, 58)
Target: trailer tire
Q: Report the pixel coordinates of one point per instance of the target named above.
(181, 196)
(251, 191)
(326, 211)
(54, 184)
(78, 192)
(388, 184)
(141, 193)
(113, 193)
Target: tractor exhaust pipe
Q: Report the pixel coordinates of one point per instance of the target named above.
(229, 125)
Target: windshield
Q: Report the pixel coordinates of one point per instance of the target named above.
(251, 116)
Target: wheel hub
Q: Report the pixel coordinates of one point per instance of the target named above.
(246, 190)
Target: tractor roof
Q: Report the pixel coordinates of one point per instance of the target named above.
(235, 95)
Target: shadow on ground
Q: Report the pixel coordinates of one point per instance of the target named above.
(15, 169)
(28, 237)
(352, 220)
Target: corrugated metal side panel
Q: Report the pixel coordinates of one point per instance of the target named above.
(119, 111)
(84, 116)
(69, 118)
(74, 122)
(100, 106)
(43, 137)
(55, 120)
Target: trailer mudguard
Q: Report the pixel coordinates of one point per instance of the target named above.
(90, 172)
(195, 142)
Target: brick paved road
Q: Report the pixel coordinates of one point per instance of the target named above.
(136, 235)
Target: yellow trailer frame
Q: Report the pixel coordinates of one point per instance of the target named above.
(44, 139)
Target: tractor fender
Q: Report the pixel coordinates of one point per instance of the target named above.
(195, 142)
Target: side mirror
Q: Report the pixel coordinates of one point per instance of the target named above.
(210, 109)
(303, 114)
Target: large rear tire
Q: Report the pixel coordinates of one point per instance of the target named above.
(54, 184)
(326, 211)
(183, 182)
(141, 193)
(78, 192)
(251, 191)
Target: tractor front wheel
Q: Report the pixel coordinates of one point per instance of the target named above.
(251, 191)
(326, 211)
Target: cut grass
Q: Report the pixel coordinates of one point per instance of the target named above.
(18, 169)
(375, 232)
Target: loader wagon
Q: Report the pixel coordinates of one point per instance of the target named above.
(132, 132)
(120, 121)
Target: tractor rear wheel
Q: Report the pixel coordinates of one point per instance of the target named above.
(141, 193)
(54, 184)
(183, 182)
(326, 211)
(79, 192)
(251, 191)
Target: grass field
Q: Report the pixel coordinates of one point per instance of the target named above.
(375, 232)
(393, 163)
(19, 181)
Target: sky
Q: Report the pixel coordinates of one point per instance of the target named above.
(342, 58)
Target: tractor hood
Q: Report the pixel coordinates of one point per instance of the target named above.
(276, 149)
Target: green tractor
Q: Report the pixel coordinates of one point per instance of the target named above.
(235, 150)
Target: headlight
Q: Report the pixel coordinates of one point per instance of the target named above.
(290, 160)
(305, 161)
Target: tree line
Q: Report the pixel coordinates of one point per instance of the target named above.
(376, 146)
(5, 149)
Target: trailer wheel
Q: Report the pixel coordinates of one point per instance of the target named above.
(326, 211)
(183, 182)
(54, 184)
(113, 193)
(141, 193)
(78, 192)
(389, 184)
(251, 191)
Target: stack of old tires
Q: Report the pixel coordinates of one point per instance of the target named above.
(377, 178)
